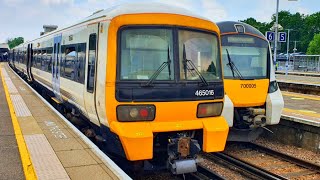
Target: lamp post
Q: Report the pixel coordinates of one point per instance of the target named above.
(276, 34)
(276, 31)
(288, 57)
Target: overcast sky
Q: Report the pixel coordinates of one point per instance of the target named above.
(26, 17)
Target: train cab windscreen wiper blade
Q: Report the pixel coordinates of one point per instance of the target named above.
(160, 69)
(193, 67)
(233, 67)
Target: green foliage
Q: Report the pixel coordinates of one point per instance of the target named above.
(314, 46)
(262, 27)
(304, 28)
(15, 42)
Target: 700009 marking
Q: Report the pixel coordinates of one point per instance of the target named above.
(248, 86)
(204, 93)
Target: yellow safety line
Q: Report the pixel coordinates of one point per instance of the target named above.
(24, 153)
(301, 112)
(301, 96)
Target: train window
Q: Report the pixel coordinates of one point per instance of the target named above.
(63, 56)
(49, 59)
(91, 62)
(80, 65)
(198, 51)
(34, 58)
(249, 57)
(143, 51)
(69, 62)
(43, 60)
(39, 57)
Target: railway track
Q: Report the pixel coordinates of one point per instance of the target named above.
(203, 174)
(247, 170)
(278, 164)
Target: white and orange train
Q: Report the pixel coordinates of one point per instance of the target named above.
(147, 76)
(253, 98)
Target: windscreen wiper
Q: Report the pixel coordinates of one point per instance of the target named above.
(186, 66)
(233, 67)
(160, 69)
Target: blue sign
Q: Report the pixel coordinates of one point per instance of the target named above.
(270, 36)
(282, 37)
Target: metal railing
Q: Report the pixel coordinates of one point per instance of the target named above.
(302, 63)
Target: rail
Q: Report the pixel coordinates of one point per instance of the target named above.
(247, 168)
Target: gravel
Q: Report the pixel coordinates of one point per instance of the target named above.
(294, 151)
(223, 171)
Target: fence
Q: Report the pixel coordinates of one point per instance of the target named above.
(306, 63)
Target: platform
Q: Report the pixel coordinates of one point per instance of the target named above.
(38, 143)
(312, 74)
(298, 79)
(301, 108)
(299, 84)
(300, 122)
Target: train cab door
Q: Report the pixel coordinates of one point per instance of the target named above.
(56, 66)
(29, 62)
(91, 72)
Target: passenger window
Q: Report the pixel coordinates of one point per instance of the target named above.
(39, 59)
(43, 60)
(69, 63)
(80, 65)
(91, 62)
(49, 59)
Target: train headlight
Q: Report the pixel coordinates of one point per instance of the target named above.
(132, 113)
(209, 109)
(273, 87)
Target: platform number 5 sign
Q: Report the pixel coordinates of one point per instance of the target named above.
(282, 36)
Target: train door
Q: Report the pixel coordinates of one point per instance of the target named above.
(90, 80)
(29, 62)
(56, 66)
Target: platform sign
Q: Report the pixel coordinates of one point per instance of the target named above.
(270, 36)
(282, 37)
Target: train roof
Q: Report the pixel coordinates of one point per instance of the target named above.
(230, 27)
(142, 7)
(4, 46)
(131, 8)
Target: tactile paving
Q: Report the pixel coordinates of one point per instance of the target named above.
(20, 107)
(11, 87)
(44, 159)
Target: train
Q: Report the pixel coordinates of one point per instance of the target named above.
(4, 51)
(253, 98)
(147, 78)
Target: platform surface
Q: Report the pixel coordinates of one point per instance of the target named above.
(55, 150)
(314, 74)
(302, 108)
(10, 164)
(296, 79)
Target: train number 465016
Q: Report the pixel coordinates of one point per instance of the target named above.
(248, 86)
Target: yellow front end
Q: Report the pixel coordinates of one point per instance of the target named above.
(170, 117)
(247, 93)
(137, 138)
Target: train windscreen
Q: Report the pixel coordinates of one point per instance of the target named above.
(248, 55)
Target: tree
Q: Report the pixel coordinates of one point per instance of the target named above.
(314, 45)
(15, 42)
(262, 27)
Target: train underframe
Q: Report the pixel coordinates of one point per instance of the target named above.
(248, 124)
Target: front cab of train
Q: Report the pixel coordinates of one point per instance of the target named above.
(253, 99)
(164, 88)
